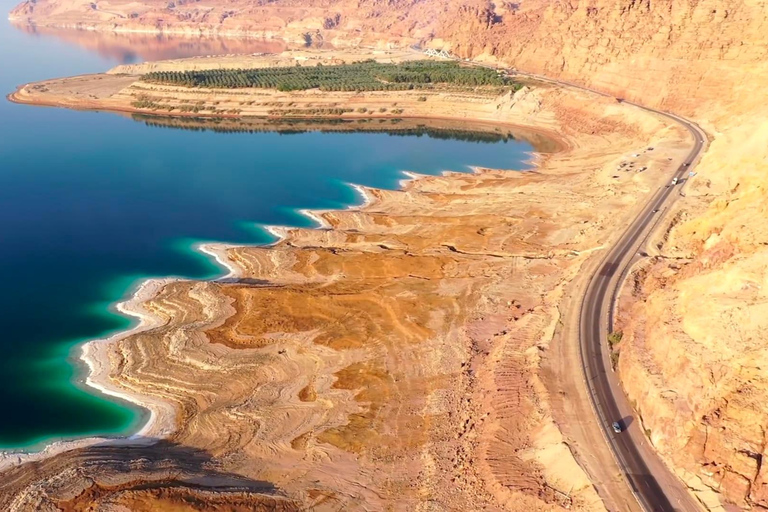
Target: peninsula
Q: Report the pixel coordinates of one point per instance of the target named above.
(293, 84)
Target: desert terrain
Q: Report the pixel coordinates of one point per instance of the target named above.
(692, 354)
(396, 356)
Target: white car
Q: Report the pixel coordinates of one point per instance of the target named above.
(616, 427)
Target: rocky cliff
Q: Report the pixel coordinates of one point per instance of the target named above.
(693, 356)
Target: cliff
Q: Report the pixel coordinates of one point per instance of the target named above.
(693, 356)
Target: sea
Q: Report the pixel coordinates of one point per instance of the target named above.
(92, 203)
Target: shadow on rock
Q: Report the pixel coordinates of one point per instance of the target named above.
(147, 470)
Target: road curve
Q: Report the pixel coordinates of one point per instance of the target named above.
(641, 466)
(652, 483)
(595, 323)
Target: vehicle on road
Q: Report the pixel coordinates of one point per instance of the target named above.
(616, 427)
(655, 210)
(674, 181)
(654, 489)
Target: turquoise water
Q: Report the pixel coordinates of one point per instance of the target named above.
(91, 203)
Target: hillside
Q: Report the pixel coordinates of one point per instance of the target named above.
(693, 356)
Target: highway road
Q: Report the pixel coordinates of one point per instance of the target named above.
(595, 323)
(654, 486)
(652, 483)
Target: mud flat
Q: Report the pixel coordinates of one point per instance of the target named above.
(390, 359)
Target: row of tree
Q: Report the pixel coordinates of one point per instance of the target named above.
(361, 76)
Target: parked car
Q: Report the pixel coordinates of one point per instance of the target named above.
(616, 427)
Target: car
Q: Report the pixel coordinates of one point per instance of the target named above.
(616, 427)
(686, 164)
(655, 210)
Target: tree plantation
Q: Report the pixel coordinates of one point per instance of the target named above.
(363, 76)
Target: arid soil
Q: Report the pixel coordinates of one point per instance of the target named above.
(389, 360)
(693, 356)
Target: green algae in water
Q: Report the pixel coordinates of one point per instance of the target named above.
(92, 203)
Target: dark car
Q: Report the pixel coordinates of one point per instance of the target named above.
(616, 427)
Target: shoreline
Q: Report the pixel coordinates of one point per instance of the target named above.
(479, 238)
(559, 141)
(589, 148)
(93, 358)
(208, 33)
(121, 90)
(94, 354)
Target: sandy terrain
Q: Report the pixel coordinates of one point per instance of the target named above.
(390, 360)
(692, 357)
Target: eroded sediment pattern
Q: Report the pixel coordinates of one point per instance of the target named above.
(390, 360)
(693, 356)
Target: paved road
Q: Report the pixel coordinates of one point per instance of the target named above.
(655, 488)
(595, 323)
